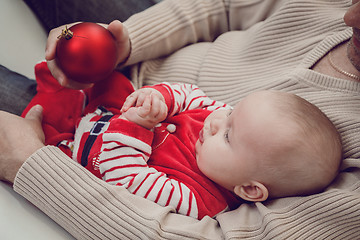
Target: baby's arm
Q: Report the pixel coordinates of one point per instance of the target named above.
(123, 162)
(174, 98)
(181, 97)
(145, 107)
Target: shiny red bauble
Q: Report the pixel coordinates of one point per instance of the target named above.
(86, 52)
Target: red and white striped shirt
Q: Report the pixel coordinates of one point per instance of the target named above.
(159, 165)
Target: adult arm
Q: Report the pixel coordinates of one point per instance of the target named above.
(173, 24)
(19, 139)
(89, 208)
(168, 26)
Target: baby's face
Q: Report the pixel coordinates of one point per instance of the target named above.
(231, 142)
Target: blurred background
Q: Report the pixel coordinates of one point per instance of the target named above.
(23, 40)
(22, 45)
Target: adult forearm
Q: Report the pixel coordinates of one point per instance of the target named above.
(19, 139)
(89, 208)
(172, 24)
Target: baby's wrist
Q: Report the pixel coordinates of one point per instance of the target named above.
(140, 121)
(146, 124)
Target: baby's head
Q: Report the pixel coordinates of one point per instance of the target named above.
(272, 144)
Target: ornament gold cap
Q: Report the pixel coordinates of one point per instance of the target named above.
(66, 33)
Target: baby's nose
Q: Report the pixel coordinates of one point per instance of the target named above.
(214, 126)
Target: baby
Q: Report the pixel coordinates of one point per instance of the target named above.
(173, 145)
(271, 144)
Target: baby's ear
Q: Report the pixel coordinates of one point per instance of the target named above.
(253, 191)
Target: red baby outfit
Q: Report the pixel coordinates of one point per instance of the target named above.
(64, 107)
(159, 165)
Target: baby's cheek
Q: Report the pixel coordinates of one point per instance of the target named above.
(200, 156)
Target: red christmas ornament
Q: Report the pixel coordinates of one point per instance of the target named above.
(86, 52)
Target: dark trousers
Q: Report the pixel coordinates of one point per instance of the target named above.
(54, 13)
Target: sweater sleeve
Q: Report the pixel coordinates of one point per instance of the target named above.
(89, 208)
(172, 24)
(123, 162)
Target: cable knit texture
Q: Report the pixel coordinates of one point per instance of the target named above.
(278, 44)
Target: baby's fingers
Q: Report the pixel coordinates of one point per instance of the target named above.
(141, 99)
(130, 101)
(146, 107)
(158, 110)
(127, 104)
(155, 105)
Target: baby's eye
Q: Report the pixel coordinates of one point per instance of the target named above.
(226, 135)
(230, 112)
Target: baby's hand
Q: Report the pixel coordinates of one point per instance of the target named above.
(145, 107)
(137, 98)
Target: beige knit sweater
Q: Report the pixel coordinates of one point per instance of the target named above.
(244, 46)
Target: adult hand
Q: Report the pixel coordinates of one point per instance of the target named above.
(118, 30)
(19, 139)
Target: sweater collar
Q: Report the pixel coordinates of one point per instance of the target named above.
(306, 75)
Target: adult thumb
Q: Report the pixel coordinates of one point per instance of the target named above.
(116, 28)
(121, 34)
(34, 116)
(35, 113)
